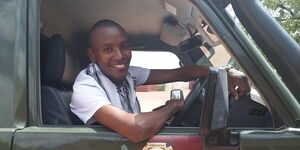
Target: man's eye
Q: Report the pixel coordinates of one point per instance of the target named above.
(108, 49)
(125, 47)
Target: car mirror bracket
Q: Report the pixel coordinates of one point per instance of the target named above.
(215, 111)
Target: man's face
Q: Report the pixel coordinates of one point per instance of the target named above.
(109, 48)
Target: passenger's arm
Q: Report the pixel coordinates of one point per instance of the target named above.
(136, 127)
(186, 73)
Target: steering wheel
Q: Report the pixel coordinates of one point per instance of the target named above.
(187, 116)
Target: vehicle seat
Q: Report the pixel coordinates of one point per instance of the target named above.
(59, 72)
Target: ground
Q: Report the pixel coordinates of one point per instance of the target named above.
(153, 99)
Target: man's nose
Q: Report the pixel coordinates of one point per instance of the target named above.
(118, 54)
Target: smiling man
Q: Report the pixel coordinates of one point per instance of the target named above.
(109, 48)
(104, 92)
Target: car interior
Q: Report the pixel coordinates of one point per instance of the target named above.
(158, 25)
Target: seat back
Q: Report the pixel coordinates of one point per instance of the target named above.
(59, 72)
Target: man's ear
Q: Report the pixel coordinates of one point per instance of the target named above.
(91, 54)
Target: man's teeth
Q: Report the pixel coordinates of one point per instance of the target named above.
(120, 66)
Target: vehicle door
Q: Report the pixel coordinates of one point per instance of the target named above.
(13, 70)
(35, 136)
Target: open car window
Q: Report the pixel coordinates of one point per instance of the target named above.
(191, 38)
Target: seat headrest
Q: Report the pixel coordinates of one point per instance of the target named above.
(61, 64)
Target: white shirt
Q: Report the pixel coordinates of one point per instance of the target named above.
(92, 90)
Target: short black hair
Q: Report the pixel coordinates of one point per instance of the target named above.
(103, 23)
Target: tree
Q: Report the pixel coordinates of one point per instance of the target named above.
(287, 13)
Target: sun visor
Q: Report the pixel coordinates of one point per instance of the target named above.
(182, 10)
(187, 18)
(173, 34)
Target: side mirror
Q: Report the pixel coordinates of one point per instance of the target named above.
(215, 112)
(215, 108)
(176, 94)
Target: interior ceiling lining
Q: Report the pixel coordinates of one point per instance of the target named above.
(66, 16)
(142, 19)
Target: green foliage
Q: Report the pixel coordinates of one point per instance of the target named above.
(160, 87)
(287, 13)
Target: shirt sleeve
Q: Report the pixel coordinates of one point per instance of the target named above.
(87, 97)
(139, 75)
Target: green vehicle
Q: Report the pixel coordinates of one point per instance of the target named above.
(43, 46)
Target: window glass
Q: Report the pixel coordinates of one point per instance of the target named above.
(216, 55)
(212, 51)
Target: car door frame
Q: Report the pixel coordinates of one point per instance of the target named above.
(13, 74)
(38, 136)
(261, 73)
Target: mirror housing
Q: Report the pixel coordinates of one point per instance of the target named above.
(176, 94)
(215, 109)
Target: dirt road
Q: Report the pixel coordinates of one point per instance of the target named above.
(153, 99)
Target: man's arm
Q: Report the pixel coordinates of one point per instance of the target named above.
(136, 127)
(238, 84)
(186, 73)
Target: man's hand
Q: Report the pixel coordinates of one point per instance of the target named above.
(178, 104)
(238, 83)
(137, 126)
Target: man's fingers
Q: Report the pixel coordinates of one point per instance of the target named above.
(241, 91)
(238, 83)
(243, 87)
(246, 84)
(234, 92)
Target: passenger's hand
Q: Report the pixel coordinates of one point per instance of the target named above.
(238, 83)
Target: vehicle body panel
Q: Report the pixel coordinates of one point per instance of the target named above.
(6, 137)
(77, 138)
(13, 58)
(271, 140)
(179, 142)
(13, 95)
